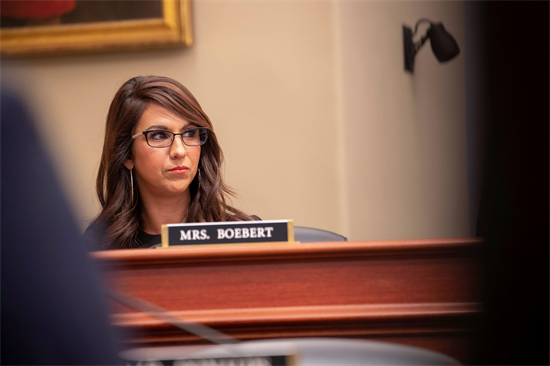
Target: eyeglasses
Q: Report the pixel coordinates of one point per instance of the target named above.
(160, 138)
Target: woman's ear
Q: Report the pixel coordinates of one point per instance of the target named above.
(129, 164)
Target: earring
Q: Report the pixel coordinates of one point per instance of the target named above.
(132, 185)
(199, 181)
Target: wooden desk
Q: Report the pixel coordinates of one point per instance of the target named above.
(416, 292)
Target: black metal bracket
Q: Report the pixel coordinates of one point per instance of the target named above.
(409, 49)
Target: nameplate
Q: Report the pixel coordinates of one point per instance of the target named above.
(228, 232)
(275, 360)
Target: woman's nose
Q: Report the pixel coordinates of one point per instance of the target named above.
(177, 148)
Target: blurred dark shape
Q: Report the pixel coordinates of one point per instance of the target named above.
(514, 210)
(52, 312)
(444, 46)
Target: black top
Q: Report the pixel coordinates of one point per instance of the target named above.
(93, 236)
(147, 240)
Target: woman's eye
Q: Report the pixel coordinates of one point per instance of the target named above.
(189, 133)
(159, 135)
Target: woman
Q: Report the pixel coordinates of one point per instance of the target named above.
(161, 163)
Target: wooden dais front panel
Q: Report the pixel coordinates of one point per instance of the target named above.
(416, 292)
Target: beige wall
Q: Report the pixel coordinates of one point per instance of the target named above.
(404, 136)
(317, 119)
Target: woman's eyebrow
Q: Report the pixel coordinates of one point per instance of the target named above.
(157, 127)
(161, 127)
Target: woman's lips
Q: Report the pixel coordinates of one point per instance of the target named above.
(179, 169)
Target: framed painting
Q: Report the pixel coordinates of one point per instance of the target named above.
(32, 27)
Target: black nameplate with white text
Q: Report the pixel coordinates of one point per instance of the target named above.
(279, 360)
(229, 232)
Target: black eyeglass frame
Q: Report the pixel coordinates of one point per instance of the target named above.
(145, 133)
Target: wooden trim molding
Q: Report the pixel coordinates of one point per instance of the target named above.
(365, 321)
(194, 255)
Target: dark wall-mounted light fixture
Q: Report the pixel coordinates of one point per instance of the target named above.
(443, 44)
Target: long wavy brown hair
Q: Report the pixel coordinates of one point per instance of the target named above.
(121, 209)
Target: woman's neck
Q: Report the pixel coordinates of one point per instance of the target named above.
(167, 210)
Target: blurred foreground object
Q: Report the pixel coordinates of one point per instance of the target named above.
(295, 352)
(514, 207)
(52, 312)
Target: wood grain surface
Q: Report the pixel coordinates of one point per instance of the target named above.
(415, 292)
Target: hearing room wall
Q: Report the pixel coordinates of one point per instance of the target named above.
(316, 116)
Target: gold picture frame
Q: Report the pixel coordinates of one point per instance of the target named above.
(173, 29)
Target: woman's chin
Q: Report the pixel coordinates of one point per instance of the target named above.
(177, 191)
